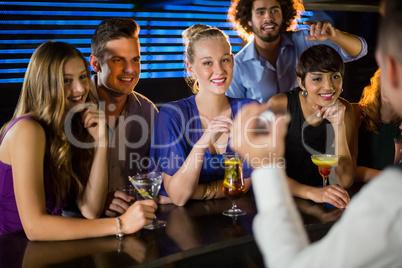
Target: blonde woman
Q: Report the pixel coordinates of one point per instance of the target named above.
(191, 134)
(40, 158)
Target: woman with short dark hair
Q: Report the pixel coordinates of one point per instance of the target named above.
(322, 123)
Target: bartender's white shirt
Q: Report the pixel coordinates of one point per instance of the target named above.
(369, 233)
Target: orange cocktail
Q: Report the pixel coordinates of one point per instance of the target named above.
(325, 162)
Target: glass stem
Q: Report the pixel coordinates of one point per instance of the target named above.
(325, 181)
(234, 206)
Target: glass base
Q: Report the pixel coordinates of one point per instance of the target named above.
(155, 225)
(234, 212)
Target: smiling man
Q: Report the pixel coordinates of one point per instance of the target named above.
(130, 116)
(265, 66)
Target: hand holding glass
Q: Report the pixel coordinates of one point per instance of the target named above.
(148, 185)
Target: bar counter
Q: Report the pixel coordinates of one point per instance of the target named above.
(196, 235)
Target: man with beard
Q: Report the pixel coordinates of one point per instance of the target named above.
(130, 116)
(266, 65)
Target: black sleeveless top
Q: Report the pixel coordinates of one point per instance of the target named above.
(304, 140)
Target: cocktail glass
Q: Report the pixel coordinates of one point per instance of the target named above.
(325, 162)
(148, 185)
(233, 182)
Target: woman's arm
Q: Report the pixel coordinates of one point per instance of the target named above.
(27, 149)
(332, 194)
(363, 174)
(345, 171)
(92, 202)
(341, 116)
(184, 184)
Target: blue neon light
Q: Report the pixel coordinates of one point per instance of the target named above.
(180, 57)
(8, 61)
(165, 32)
(144, 58)
(236, 48)
(143, 75)
(167, 49)
(191, 23)
(70, 13)
(306, 13)
(40, 41)
(13, 71)
(11, 80)
(61, 22)
(166, 74)
(179, 32)
(165, 40)
(302, 27)
(169, 66)
(59, 31)
(212, 3)
(235, 40)
(301, 20)
(30, 51)
(85, 5)
(231, 32)
(179, 15)
(195, 8)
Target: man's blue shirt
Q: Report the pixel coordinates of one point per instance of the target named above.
(255, 78)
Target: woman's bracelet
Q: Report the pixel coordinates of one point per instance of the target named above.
(207, 192)
(119, 234)
(216, 188)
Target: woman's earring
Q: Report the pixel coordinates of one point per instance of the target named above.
(304, 93)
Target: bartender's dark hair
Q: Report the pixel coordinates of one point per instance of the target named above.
(319, 58)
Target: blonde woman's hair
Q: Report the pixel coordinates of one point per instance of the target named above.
(370, 103)
(195, 34)
(42, 96)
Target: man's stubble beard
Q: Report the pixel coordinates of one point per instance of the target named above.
(268, 39)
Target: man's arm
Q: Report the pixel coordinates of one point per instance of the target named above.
(279, 230)
(367, 235)
(349, 43)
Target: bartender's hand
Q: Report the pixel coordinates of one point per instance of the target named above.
(117, 203)
(259, 148)
(332, 194)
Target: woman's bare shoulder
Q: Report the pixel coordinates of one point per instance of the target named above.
(28, 130)
(279, 101)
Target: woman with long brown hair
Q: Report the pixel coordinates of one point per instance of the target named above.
(55, 144)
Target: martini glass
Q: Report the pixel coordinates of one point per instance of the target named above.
(233, 182)
(148, 185)
(325, 162)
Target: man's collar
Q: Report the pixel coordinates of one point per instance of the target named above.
(252, 54)
(131, 98)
